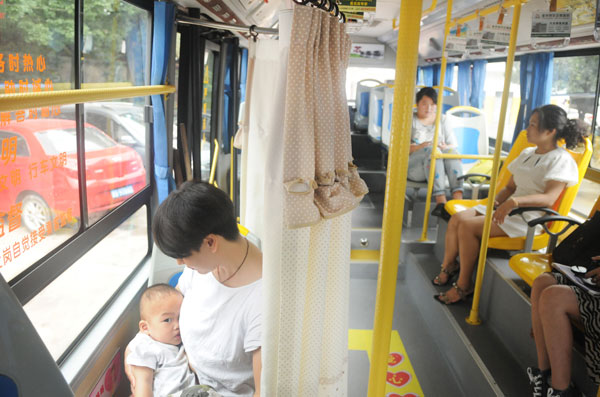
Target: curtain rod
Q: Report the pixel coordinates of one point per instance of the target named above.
(219, 25)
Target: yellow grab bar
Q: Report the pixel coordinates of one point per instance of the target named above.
(213, 166)
(397, 167)
(473, 318)
(486, 11)
(28, 100)
(438, 116)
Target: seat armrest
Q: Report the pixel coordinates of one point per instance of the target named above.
(520, 210)
(544, 220)
(465, 176)
(552, 218)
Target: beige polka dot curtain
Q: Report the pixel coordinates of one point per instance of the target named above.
(309, 188)
(319, 177)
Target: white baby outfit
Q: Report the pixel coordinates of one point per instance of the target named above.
(172, 373)
(221, 328)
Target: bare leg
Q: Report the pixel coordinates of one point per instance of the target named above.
(539, 285)
(457, 195)
(451, 250)
(557, 305)
(469, 238)
(440, 198)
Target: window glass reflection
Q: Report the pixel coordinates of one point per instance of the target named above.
(39, 191)
(115, 42)
(81, 291)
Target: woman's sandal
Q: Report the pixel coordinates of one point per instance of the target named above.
(463, 295)
(437, 281)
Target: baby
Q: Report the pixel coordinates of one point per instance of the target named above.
(158, 362)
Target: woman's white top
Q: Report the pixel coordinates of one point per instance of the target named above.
(169, 363)
(220, 329)
(424, 133)
(531, 173)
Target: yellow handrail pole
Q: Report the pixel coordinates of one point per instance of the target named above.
(231, 176)
(9, 102)
(467, 156)
(397, 167)
(438, 122)
(485, 12)
(430, 9)
(213, 166)
(425, 12)
(473, 318)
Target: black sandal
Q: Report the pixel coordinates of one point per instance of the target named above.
(451, 273)
(463, 295)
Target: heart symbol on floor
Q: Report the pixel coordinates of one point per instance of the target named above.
(394, 359)
(398, 379)
(398, 395)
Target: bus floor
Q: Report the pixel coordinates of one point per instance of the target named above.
(440, 355)
(443, 354)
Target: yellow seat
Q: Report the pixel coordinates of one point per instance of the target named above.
(530, 265)
(562, 206)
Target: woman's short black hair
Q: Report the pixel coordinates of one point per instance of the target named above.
(551, 117)
(189, 214)
(428, 92)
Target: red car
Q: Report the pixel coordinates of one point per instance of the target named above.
(42, 174)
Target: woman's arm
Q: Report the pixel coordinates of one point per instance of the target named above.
(546, 199)
(256, 369)
(414, 147)
(505, 193)
(144, 377)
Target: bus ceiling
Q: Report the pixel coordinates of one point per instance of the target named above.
(381, 26)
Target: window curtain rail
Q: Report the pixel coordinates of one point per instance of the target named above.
(10, 102)
(184, 20)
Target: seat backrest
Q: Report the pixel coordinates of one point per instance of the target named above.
(565, 201)
(582, 157)
(375, 112)
(520, 144)
(468, 125)
(361, 117)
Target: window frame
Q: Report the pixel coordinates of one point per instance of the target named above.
(45, 270)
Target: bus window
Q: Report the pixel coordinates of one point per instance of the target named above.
(62, 310)
(50, 271)
(207, 93)
(355, 74)
(493, 88)
(574, 89)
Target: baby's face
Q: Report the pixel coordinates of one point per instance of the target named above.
(163, 320)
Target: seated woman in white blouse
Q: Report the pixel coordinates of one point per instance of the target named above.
(539, 175)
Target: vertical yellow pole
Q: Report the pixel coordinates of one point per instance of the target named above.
(213, 167)
(438, 118)
(473, 318)
(406, 70)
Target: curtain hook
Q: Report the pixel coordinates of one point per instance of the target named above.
(253, 33)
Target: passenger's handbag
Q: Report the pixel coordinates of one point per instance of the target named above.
(581, 245)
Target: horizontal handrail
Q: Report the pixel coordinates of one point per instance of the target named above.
(28, 100)
(465, 156)
(486, 11)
